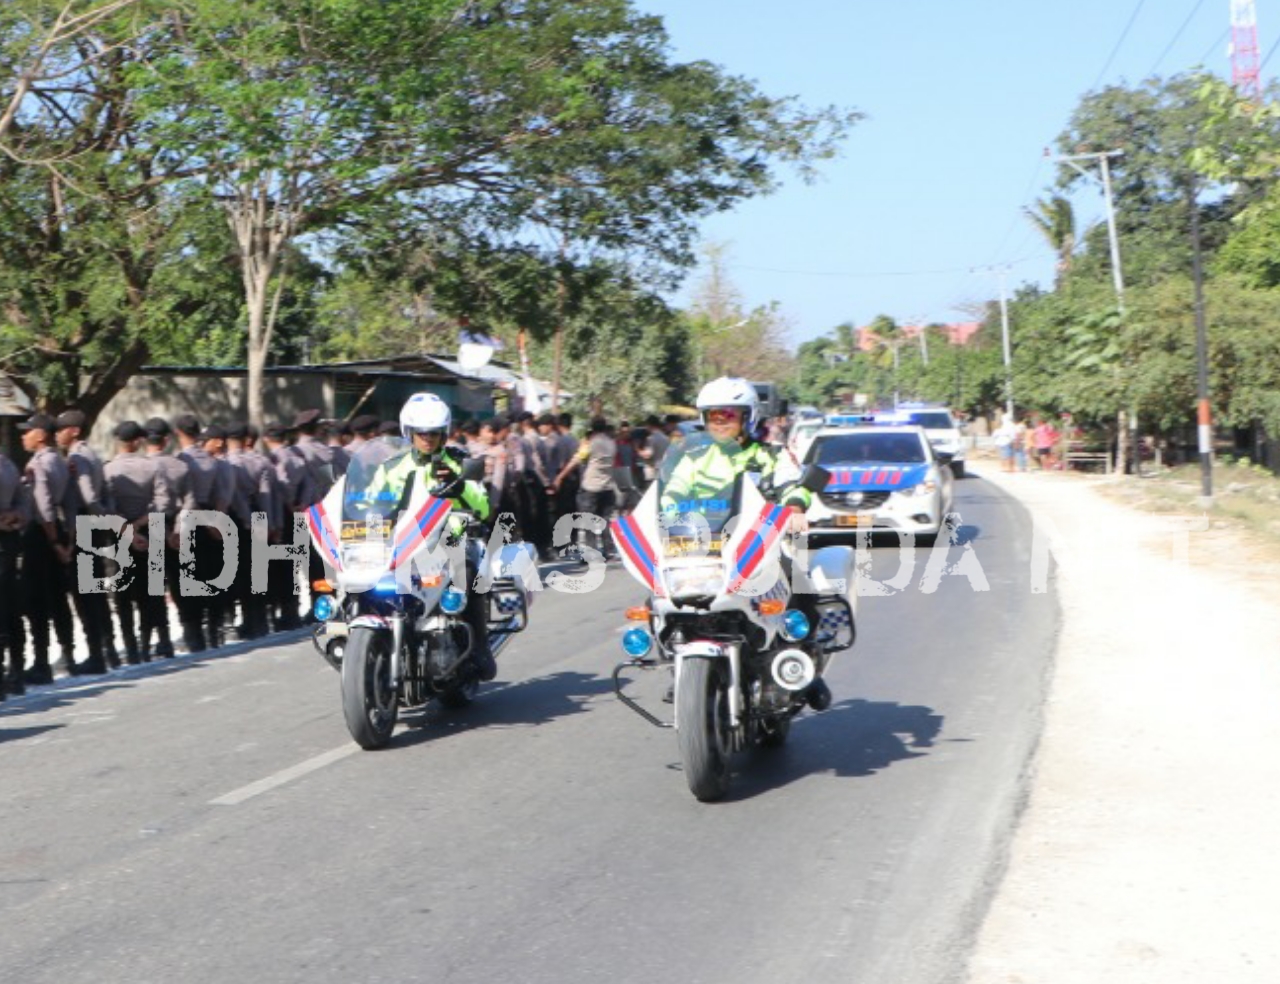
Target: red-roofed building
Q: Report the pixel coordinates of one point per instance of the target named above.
(958, 333)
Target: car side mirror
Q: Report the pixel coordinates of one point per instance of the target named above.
(814, 478)
(944, 457)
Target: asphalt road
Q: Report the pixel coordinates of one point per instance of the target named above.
(209, 820)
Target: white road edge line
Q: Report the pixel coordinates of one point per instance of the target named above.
(238, 796)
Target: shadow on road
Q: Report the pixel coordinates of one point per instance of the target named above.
(853, 739)
(524, 704)
(16, 734)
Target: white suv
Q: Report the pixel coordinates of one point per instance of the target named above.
(940, 427)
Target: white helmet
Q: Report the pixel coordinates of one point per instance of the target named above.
(424, 412)
(730, 391)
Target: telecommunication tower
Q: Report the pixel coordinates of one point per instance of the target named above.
(1245, 70)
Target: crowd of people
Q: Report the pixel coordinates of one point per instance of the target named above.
(1036, 439)
(535, 469)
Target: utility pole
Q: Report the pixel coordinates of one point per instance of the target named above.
(1117, 278)
(1102, 158)
(1204, 416)
(1000, 273)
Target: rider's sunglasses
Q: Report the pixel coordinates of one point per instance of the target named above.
(723, 415)
(429, 433)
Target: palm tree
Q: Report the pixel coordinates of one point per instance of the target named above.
(1056, 220)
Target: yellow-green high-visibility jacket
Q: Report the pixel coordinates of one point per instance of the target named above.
(709, 470)
(473, 498)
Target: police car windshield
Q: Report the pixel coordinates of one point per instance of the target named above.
(931, 419)
(866, 446)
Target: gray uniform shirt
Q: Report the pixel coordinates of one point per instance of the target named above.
(177, 483)
(254, 480)
(86, 467)
(296, 490)
(212, 483)
(49, 480)
(13, 497)
(319, 461)
(135, 485)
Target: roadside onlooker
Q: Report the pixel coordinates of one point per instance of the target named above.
(1021, 443)
(1044, 437)
(1004, 437)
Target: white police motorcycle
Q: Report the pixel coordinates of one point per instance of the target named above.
(393, 622)
(743, 632)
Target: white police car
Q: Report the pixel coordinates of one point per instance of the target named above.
(884, 477)
(940, 427)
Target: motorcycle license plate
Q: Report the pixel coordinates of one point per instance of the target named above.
(857, 519)
(685, 546)
(358, 529)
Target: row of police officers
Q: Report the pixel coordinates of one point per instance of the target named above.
(164, 468)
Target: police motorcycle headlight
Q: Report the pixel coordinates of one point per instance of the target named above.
(386, 585)
(452, 601)
(795, 625)
(323, 608)
(636, 642)
(695, 580)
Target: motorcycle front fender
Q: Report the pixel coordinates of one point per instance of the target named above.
(704, 649)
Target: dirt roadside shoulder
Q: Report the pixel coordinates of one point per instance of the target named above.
(1146, 852)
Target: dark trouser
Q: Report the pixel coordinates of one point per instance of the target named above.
(566, 498)
(12, 637)
(538, 531)
(201, 613)
(476, 613)
(253, 607)
(92, 606)
(44, 593)
(597, 504)
(134, 608)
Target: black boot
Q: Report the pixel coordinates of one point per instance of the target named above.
(39, 674)
(482, 657)
(193, 637)
(818, 695)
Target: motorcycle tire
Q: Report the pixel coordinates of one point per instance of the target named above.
(702, 713)
(369, 704)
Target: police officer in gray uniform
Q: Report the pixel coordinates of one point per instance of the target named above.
(296, 495)
(178, 499)
(87, 480)
(212, 488)
(318, 457)
(15, 514)
(46, 550)
(136, 488)
(254, 480)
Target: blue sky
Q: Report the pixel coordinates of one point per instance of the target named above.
(962, 97)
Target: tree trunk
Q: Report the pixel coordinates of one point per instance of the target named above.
(256, 360)
(1122, 442)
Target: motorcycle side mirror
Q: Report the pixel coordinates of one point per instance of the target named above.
(473, 470)
(944, 457)
(814, 478)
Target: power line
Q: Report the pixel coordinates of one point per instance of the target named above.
(1169, 47)
(1123, 34)
(1217, 45)
(1271, 52)
(887, 273)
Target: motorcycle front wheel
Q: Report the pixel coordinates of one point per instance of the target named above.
(369, 702)
(702, 713)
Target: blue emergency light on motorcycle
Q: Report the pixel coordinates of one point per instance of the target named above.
(636, 642)
(323, 608)
(452, 602)
(795, 625)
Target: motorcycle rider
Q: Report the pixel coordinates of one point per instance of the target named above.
(424, 422)
(730, 412)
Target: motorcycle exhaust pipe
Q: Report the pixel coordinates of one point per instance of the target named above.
(793, 669)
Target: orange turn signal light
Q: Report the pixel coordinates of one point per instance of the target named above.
(638, 614)
(431, 581)
(772, 606)
(322, 586)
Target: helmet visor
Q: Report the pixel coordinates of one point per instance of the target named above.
(722, 415)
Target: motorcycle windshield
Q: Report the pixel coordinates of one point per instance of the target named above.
(377, 490)
(698, 494)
